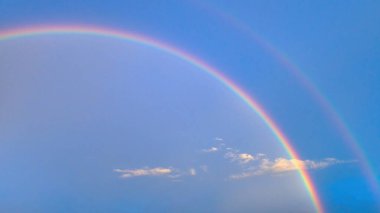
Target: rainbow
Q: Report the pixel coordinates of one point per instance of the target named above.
(218, 75)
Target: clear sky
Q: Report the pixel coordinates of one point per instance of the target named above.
(335, 44)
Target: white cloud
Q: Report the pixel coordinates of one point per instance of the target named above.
(281, 165)
(212, 149)
(157, 171)
(284, 165)
(246, 165)
(245, 158)
(192, 172)
(242, 158)
(218, 139)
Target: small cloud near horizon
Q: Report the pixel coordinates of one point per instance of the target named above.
(283, 165)
(242, 158)
(211, 149)
(192, 172)
(157, 171)
(247, 165)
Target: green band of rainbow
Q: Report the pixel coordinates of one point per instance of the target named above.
(218, 75)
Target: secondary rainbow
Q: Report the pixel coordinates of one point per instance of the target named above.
(328, 109)
(218, 75)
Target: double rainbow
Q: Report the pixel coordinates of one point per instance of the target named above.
(218, 75)
(327, 107)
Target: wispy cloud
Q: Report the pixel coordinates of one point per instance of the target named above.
(211, 149)
(219, 146)
(192, 172)
(242, 158)
(282, 165)
(245, 158)
(168, 172)
(157, 171)
(241, 164)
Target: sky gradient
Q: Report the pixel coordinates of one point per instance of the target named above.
(334, 45)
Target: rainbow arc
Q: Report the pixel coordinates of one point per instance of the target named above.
(215, 73)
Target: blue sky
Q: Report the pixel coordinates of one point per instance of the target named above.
(335, 44)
